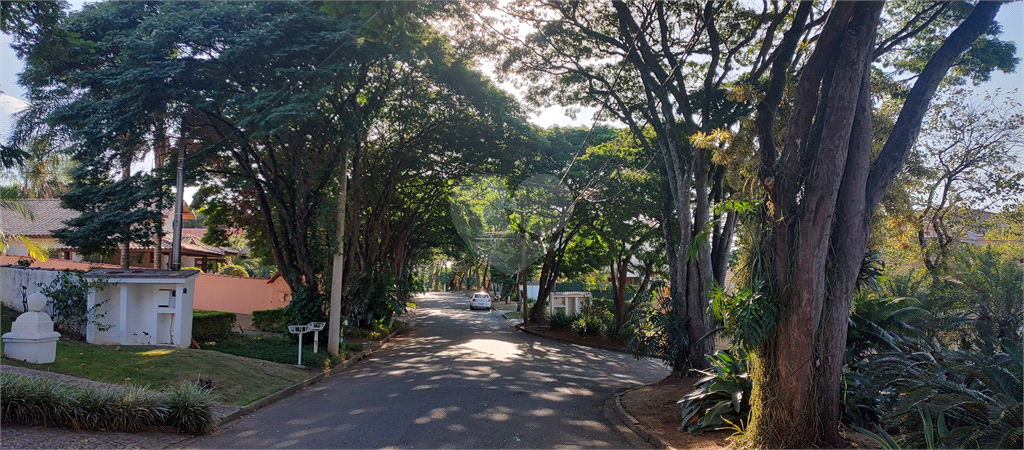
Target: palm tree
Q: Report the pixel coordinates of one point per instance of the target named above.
(44, 169)
(34, 249)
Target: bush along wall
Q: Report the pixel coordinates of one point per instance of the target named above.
(36, 401)
(212, 325)
(272, 320)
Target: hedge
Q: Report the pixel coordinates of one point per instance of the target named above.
(233, 270)
(212, 325)
(35, 401)
(271, 320)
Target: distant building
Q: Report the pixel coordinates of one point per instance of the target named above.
(49, 215)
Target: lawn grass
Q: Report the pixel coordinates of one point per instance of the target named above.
(7, 316)
(242, 369)
(279, 349)
(236, 380)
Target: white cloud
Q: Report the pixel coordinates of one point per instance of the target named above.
(8, 107)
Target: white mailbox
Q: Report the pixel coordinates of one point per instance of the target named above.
(142, 307)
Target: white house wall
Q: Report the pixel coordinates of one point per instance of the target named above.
(108, 306)
(143, 322)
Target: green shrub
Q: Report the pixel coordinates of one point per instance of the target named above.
(377, 330)
(560, 320)
(979, 394)
(276, 320)
(257, 269)
(594, 323)
(212, 325)
(188, 408)
(192, 268)
(71, 314)
(233, 270)
(586, 326)
(658, 332)
(36, 401)
(720, 400)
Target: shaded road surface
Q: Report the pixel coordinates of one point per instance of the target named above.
(454, 379)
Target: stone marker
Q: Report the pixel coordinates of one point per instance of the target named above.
(32, 337)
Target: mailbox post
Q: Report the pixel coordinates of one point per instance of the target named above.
(315, 327)
(299, 330)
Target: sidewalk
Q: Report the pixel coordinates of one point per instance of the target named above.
(508, 312)
(25, 437)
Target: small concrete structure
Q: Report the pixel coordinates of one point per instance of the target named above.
(32, 337)
(144, 307)
(568, 302)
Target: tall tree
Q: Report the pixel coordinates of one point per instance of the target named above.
(822, 187)
(670, 67)
(442, 124)
(79, 102)
(627, 205)
(966, 150)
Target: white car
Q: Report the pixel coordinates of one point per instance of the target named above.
(480, 300)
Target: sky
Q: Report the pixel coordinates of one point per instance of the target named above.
(1011, 17)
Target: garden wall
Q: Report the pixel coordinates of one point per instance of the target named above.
(240, 295)
(12, 278)
(212, 292)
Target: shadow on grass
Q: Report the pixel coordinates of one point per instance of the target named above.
(280, 349)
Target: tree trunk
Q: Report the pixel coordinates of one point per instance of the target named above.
(720, 248)
(161, 150)
(126, 173)
(619, 269)
(824, 189)
(551, 268)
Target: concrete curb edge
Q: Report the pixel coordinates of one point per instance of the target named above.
(290, 390)
(567, 341)
(633, 424)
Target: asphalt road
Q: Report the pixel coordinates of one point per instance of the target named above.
(453, 379)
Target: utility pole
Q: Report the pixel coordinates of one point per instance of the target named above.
(179, 199)
(338, 268)
(522, 277)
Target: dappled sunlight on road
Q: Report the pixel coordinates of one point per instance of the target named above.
(436, 414)
(461, 378)
(490, 349)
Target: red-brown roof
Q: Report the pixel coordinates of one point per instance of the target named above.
(190, 246)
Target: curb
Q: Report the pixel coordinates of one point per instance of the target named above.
(238, 412)
(635, 425)
(568, 341)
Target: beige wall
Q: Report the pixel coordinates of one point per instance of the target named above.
(212, 292)
(240, 295)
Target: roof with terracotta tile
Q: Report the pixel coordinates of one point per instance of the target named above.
(47, 215)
